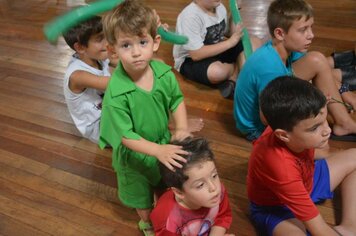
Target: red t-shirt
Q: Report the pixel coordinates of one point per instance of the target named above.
(171, 219)
(277, 176)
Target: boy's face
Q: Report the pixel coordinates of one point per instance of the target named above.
(209, 5)
(135, 52)
(96, 49)
(299, 36)
(203, 188)
(313, 132)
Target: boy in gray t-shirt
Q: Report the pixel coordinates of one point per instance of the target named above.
(209, 57)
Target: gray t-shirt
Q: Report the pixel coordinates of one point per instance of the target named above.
(201, 29)
(85, 107)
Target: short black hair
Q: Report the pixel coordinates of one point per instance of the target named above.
(199, 151)
(288, 100)
(82, 32)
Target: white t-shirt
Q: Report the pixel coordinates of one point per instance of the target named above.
(85, 107)
(200, 28)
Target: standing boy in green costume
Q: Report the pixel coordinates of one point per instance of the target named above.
(139, 99)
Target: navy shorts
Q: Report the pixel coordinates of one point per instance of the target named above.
(198, 70)
(266, 218)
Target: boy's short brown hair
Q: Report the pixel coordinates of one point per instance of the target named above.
(130, 17)
(282, 13)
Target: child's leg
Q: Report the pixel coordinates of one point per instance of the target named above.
(145, 218)
(342, 170)
(219, 72)
(314, 66)
(194, 124)
(290, 227)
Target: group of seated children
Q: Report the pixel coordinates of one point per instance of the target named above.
(284, 180)
(290, 24)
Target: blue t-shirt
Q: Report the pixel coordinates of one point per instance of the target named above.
(263, 66)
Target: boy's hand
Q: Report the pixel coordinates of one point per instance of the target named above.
(168, 155)
(159, 23)
(180, 135)
(236, 34)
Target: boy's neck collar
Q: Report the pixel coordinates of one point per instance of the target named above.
(281, 50)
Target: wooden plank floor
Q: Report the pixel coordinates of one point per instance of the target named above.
(53, 182)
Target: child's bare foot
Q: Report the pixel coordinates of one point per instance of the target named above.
(195, 124)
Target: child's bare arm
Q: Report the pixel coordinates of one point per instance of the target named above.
(214, 49)
(167, 154)
(218, 231)
(318, 227)
(181, 123)
(80, 80)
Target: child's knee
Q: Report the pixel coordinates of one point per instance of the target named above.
(317, 59)
(219, 71)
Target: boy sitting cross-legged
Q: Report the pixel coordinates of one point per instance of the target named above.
(290, 24)
(284, 181)
(197, 203)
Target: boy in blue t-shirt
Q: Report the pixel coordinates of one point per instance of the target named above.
(290, 24)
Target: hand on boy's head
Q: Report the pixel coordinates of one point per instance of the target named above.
(169, 155)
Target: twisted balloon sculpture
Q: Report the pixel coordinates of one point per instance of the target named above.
(62, 24)
(236, 17)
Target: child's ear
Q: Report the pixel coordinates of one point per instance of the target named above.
(156, 43)
(80, 49)
(178, 193)
(113, 56)
(279, 33)
(282, 135)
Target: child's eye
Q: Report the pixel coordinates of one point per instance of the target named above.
(199, 186)
(303, 29)
(125, 45)
(100, 38)
(143, 42)
(215, 175)
(314, 128)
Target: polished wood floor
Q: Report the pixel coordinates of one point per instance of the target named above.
(53, 182)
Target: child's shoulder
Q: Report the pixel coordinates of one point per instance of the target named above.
(160, 69)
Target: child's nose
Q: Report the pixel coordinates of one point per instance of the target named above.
(310, 34)
(212, 186)
(326, 129)
(135, 50)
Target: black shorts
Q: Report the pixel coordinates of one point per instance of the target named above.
(198, 70)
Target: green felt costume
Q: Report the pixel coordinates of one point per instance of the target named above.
(131, 112)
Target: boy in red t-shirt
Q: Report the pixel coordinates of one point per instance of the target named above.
(284, 181)
(197, 203)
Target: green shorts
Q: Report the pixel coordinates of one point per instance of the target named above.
(137, 180)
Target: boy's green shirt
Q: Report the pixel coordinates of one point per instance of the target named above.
(131, 112)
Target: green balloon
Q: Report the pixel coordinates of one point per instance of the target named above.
(236, 18)
(172, 37)
(62, 24)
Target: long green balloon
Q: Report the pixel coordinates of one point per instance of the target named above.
(63, 23)
(236, 17)
(172, 37)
